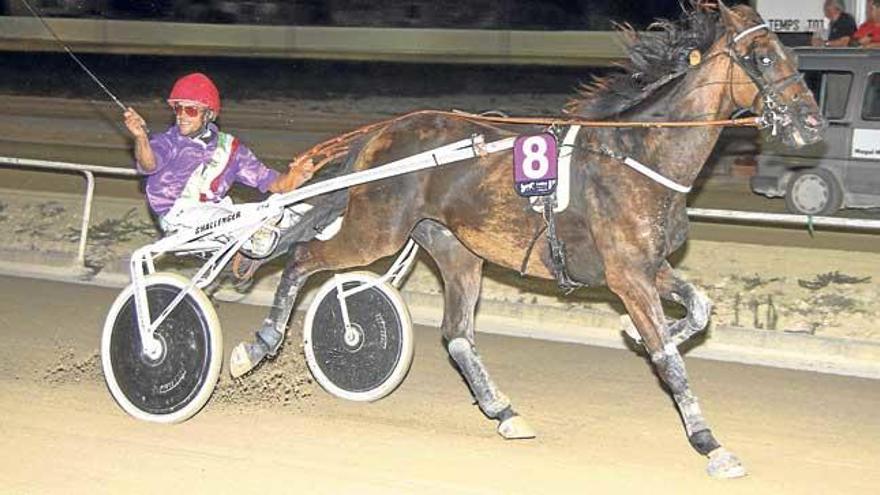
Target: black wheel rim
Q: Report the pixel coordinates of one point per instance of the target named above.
(169, 383)
(366, 363)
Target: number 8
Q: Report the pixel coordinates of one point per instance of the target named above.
(535, 163)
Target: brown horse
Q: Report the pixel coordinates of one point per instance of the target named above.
(620, 225)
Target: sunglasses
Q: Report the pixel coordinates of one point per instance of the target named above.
(189, 110)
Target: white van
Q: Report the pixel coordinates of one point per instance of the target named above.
(843, 170)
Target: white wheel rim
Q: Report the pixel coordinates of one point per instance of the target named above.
(811, 193)
(406, 339)
(215, 339)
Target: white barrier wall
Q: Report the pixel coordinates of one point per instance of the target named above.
(574, 48)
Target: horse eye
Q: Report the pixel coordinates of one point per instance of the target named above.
(766, 61)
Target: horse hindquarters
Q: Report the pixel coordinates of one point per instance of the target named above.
(462, 274)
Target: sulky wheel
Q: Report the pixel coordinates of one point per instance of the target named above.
(372, 359)
(173, 385)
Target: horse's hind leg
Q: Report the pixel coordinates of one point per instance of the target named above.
(350, 248)
(674, 288)
(268, 339)
(642, 301)
(462, 273)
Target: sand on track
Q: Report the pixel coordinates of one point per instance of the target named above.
(605, 425)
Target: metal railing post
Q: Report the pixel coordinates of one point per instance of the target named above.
(87, 215)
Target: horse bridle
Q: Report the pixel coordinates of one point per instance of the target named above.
(775, 114)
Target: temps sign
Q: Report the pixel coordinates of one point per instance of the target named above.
(792, 16)
(800, 16)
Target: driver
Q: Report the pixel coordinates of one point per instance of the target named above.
(191, 166)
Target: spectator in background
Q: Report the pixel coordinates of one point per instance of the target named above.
(868, 34)
(842, 27)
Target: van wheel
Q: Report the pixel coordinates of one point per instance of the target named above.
(813, 192)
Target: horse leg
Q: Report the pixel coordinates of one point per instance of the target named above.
(673, 287)
(462, 274)
(642, 301)
(349, 248)
(267, 341)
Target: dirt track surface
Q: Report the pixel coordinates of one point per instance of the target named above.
(605, 426)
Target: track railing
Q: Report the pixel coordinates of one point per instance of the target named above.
(735, 216)
(89, 172)
(723, 216)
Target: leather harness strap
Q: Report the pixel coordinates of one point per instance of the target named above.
(557, 248)
(558, 263)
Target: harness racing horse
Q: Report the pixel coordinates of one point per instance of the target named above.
(620, 225)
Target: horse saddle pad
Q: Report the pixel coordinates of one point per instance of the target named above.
(542, 168)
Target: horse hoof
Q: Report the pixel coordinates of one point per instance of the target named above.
(723, 464)
(515, 428)
(241, 361)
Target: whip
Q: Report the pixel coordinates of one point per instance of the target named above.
(73, 56)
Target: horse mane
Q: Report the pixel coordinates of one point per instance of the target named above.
(656, 57)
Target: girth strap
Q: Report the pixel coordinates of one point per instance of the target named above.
(557, 248)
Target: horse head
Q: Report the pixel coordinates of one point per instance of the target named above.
(776, 91)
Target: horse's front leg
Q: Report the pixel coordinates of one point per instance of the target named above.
(462, 275)
(638, 293)
(673, 287)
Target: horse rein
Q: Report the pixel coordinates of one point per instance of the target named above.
(334, 148)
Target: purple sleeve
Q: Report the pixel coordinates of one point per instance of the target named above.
(162, 148)
(251, 172)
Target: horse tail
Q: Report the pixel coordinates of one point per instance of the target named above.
(354, 151)
(334, 203)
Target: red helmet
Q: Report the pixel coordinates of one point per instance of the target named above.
(196, 88)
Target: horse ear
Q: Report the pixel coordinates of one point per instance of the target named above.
(729, 17)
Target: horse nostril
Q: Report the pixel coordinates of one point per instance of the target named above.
(814, 121)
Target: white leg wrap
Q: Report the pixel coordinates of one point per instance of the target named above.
(490, 399)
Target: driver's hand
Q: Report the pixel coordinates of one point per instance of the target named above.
(303, 167)
(135, 123)
(301, 170)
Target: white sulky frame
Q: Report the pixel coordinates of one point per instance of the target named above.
(219, 239)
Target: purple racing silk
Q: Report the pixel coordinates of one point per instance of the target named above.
(178, 158)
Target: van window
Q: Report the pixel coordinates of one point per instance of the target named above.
(831, 90)
(871, 107)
